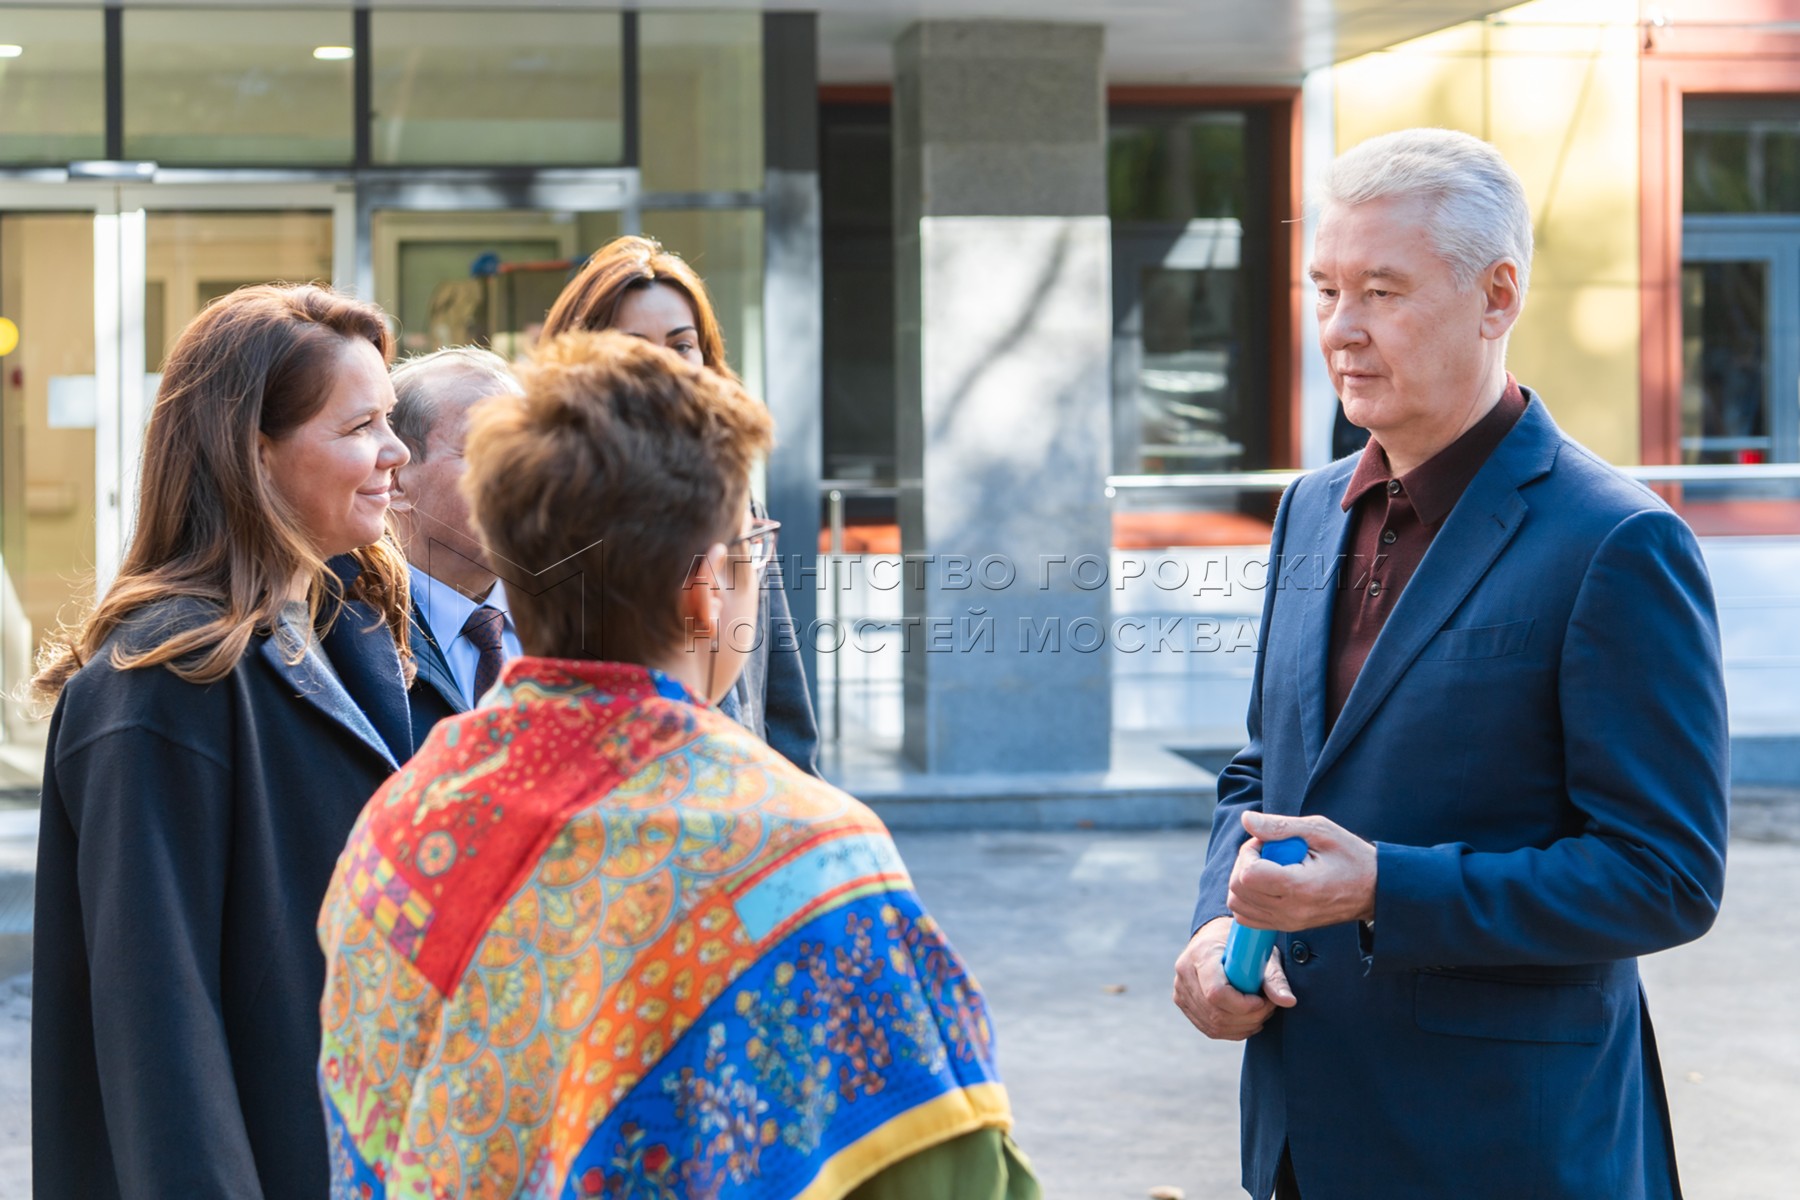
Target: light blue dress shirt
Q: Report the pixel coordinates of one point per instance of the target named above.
(446, 610)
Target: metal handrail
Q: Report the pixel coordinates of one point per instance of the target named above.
(1716, 473)
(1252, 481)
(1275, 481)
(837, 490)
(859, 487)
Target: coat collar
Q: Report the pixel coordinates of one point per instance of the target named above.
(361, 652)
(1472, 538)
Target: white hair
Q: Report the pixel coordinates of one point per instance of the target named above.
(422, 381)
(1478, 214)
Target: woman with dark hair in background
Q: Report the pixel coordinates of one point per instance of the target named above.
(222, 716)
(635, 286)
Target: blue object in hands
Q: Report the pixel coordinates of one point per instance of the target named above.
(1247, 950)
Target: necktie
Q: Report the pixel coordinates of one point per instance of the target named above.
(483, 631)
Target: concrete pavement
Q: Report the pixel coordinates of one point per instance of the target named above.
(1116, 1093)
(1073, 935)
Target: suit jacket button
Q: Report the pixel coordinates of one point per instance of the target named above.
(1299, 951)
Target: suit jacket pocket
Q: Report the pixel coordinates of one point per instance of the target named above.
(1508, 1011)
(1481, 641)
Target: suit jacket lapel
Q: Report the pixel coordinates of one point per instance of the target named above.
(1319, 579)
(432, 665)
(313, 688)
(1477, 530)
(369, 668)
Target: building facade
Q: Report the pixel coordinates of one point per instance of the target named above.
(1025, 295)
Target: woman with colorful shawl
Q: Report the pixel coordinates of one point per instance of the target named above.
(598, 940)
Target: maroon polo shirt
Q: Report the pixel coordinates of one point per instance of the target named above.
(1391, 526)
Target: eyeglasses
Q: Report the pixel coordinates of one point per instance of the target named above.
(759, 544)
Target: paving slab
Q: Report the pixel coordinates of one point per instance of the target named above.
(1074, 934)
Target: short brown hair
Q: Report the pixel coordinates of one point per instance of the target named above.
(625, 265)
(618, 467)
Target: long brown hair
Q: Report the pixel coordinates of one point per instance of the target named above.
(624, 265)
(209, 524)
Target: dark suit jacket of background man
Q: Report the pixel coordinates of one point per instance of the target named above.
(770, 698)
(434, 694)
(1537, 744)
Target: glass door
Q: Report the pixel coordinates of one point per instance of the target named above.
(1740, 341)
(96, 280)
(49, 414)
(190, 244)
(58, 291)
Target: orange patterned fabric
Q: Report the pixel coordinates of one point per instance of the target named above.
(532, 916)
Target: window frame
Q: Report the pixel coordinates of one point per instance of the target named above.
(1680, 61)
(1282, 112)
(362, 106)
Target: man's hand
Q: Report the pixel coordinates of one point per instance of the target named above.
(1207, 999)
(1335, 884)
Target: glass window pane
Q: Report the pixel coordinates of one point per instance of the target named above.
(191, 259)
(726, 247)
(478, 278)
(1725, 363)
(472, 88)
(701, 83)
(1192, 413)
(856, 208)
(53, 87)
(1188, 193)
(1740, 155)
(488, 278)
(1171, 165)
(47, 416)
(220, 86)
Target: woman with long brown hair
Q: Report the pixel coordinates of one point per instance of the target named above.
(221, 717)
(633, 285)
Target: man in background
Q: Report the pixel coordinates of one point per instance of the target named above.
(462, 632)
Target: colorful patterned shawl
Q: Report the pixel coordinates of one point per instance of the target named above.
(597, 940)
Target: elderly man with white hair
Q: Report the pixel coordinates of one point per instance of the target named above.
(462, 631)
(1489, 697)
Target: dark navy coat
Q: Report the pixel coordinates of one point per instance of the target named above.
(188, 836)
(1537, 745)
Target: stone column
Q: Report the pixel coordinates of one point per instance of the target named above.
(793, 317)
(1003, 337)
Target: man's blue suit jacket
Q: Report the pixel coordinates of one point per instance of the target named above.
(1537, 745)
